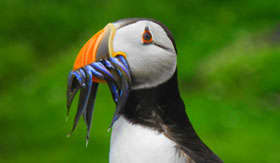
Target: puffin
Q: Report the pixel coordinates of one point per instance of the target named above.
(137, 58)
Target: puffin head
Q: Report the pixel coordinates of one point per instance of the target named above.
(147, 45)
(128, 54)
(150, 51)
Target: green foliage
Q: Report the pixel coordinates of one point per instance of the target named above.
(228, 70)
(243, 69)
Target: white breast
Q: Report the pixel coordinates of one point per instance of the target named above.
(136, 144)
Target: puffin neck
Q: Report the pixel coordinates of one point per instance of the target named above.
(150, 106)
(160, 93)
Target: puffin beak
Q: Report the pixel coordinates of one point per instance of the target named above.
(98, 63)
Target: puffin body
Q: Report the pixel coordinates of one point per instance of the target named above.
(138, 144)
(155, 128)
(152, 126)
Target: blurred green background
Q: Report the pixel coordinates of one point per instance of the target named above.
(228, 62)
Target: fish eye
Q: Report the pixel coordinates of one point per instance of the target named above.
(147, 36)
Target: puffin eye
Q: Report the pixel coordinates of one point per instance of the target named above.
(147, 36)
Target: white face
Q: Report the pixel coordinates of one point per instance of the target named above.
(151, 64)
